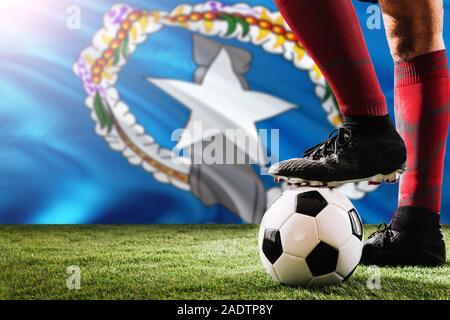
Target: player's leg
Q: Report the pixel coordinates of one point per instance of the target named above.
(368, 145)
(422, 98)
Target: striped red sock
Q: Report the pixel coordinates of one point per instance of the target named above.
(330, 32)
(422, 98)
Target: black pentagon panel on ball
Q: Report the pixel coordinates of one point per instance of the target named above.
(271, 246)
(357, 227)
(322, 260)
(310, 203)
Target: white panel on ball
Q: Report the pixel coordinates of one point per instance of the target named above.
(336, 197)
(334, 226)
(292, 270)
(299, 235)
(349, 256)
(331, 278)
(280, 210)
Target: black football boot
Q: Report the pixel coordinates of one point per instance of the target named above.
(414, 238)
(364, 149)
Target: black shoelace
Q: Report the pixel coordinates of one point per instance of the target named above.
(385, 230)
(337, 139)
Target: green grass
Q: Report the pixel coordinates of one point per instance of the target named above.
(175, 262)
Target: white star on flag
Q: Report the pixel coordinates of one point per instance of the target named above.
(221, 103)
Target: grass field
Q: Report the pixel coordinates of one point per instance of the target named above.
(175, 262)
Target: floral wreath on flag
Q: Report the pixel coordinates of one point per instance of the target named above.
(125, 28)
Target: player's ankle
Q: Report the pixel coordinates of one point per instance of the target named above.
(372, 125)
(418, 222)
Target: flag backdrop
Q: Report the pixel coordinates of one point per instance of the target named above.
(91, 93)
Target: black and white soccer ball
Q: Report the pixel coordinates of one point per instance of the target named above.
(310, 236)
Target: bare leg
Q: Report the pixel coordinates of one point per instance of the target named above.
(413, 28)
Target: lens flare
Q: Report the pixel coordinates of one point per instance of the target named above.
(22, 20)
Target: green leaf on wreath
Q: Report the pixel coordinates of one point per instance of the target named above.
(232, 23)
(103, 113)
(116, 56)
(245, 26)
(125, 47)
(109, 118)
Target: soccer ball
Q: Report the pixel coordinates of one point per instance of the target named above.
(310, 237)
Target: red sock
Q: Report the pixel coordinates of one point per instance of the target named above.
(422, 99)
(329, 30)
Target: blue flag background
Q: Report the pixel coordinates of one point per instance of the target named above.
(55, 168)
